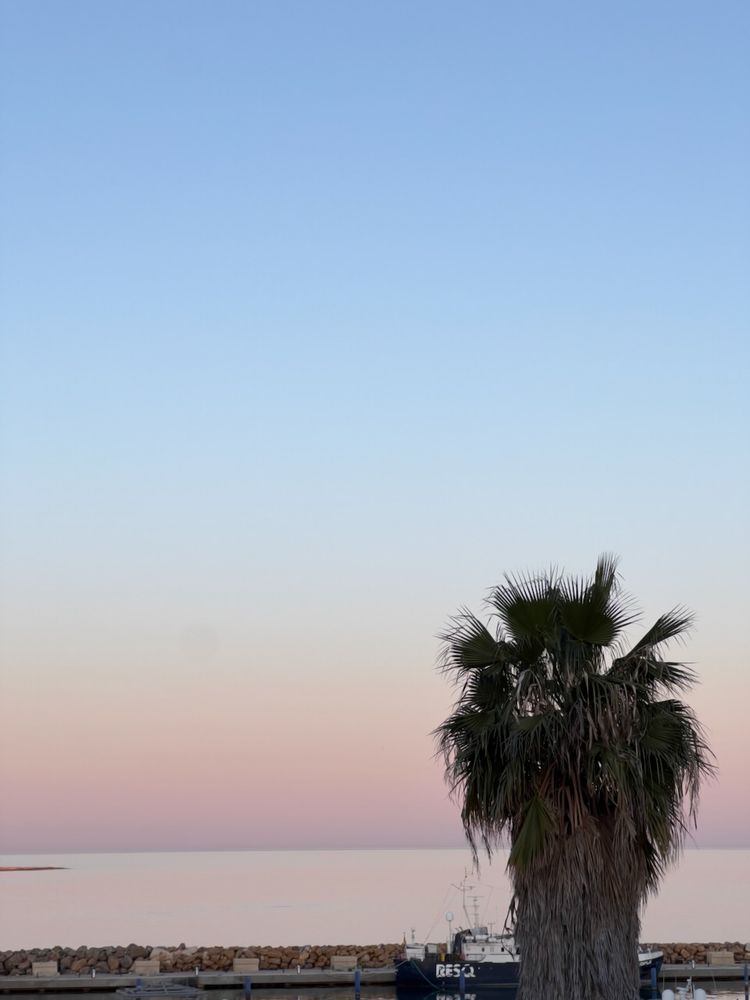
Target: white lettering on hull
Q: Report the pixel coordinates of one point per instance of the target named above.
(449, 971)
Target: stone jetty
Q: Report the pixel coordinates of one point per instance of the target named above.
(120, 960)
(679, 953)
(182, 959)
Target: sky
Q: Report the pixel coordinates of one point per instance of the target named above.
(317, 319)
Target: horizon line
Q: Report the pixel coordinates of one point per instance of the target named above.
(299, 850)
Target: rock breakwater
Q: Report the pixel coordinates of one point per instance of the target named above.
(119, 960)
(114, 960)
(679, 953)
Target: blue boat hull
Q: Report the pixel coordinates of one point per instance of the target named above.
(451, 977)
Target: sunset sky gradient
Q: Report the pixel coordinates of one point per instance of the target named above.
(317, 318)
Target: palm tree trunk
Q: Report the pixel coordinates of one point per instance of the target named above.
(577, 921)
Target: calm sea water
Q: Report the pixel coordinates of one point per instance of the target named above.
(731, 992)
(313, 897)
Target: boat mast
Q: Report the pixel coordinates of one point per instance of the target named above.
(464, 887)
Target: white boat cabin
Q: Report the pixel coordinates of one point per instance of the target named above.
(478, 945)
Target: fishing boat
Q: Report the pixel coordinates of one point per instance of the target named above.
(478, 959)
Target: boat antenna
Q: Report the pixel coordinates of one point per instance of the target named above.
(473, 921)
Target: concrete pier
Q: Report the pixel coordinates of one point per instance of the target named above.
(288, 978)
(278, 978)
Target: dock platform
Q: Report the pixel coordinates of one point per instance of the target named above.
(278, 978)
(287, 978)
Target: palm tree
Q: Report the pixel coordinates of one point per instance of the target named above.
(573, 748)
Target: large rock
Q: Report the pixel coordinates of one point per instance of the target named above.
(165, 958)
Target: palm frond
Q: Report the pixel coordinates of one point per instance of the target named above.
(674, 624)
(591, 617)
(605, 575)
(526, 607)
(653, 673)
(595, 611)
(531, 838)
(468, 643)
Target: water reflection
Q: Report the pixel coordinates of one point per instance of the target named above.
(715, 991)
(724, 991)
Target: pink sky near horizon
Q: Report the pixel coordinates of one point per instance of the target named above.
(201, 752)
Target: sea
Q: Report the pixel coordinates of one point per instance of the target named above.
(316, 897)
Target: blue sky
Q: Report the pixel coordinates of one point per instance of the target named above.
(319, 317)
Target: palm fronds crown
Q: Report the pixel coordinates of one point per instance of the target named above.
(558, 725)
